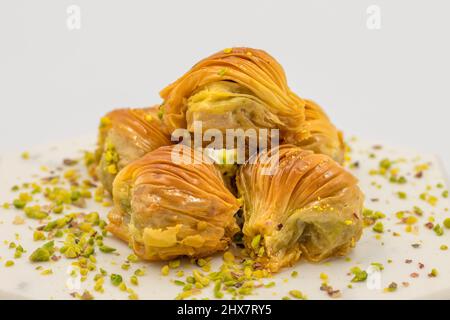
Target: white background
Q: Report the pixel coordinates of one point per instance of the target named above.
(391, 84)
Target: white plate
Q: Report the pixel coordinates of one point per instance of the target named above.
(23, 281)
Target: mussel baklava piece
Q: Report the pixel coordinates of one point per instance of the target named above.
(167, 207)
(126, 135)
(244, 88)
(298, 204)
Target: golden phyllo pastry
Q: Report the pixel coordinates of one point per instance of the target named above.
(166, 208)
(126, 135)
(299, 204)
(244, 88)
(324, 138)
(238, 88)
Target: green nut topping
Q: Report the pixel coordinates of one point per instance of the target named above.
(359, 275)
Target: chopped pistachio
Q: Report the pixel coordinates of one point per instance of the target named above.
(116, 279)
(161, 112)
(297, 294)
(122, 286)
(385, 164)
(410, 220)
(93, 218)
(47, 272)
(447, 223)
(19, 251)
(35, 212)
(255, 241)
(378, 227)
(86, 194)
(434, 273)
(133, 296)
(401, 195)
(218, 294)
(184, 295)
(86, 296)
(179, 283)
(148, 118)
(400, 214)
(201, 262)
(222, 72)
(58, 209)
(134, 280)
(9, 263)
(133, 258)
(378, 265)
(174, 264)
(105, 122)
(19, 204)
(40, 255)
(71, 251)
(324, 276)
(180, 273)
(359, 275)
(165, 270)
(374, 215)
(139, 272)
(244, 291)
(199, 278)
(432, 200)
(438, 230)
(98, 286)
(392, 287)
(402, 180)
(418, 211)
(106, 249)
(43, 253)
